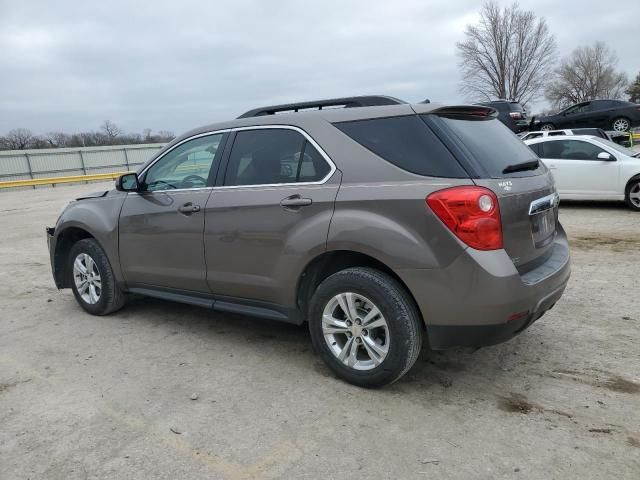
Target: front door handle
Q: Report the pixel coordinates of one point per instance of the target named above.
(295, 201)
(189, 208)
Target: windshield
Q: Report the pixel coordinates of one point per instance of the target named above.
(619, 148)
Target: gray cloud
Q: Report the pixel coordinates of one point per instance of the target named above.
(175, 65)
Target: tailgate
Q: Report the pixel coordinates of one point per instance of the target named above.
(529, 211)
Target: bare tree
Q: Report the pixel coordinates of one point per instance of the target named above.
(166, 135)
(507, 55)
(17, 139)
(587, 74)
(110, 129)
(56, 139)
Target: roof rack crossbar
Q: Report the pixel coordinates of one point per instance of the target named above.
(346, 102)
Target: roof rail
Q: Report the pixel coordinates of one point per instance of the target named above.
(346, 102)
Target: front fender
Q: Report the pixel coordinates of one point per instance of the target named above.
(99, 218)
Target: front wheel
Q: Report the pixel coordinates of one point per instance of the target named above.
(365, 327)
(92, 280)
(632, 194)
(545, 127)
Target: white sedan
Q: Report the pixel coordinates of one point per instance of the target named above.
(591, 168)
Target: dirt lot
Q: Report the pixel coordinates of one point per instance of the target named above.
(88, 397)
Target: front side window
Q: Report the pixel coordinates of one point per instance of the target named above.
(186, 166)
(274, 156)
(570, 150)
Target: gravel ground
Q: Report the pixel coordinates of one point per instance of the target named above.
(162, 390)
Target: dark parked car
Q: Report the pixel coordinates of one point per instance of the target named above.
(512, 114)
(376, 225)
(614, 115)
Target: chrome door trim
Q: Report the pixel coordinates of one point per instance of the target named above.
(543, 204)
(308, 137)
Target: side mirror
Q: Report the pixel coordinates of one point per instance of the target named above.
(606, 156)
(128, 183)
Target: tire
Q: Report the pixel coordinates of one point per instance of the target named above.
(620, 124)
(632, 194)
(99, 300)
(545, 127)
(401, 336)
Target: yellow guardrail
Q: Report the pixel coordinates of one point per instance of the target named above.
(54, 180)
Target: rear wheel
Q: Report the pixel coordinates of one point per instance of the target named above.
(92, 279)
(365, 327)
(545, 127)
(621, 124)
(632, 194)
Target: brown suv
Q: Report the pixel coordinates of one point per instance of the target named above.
(375, 221)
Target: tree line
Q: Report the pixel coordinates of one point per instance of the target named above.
(511, 54)
(108, 134)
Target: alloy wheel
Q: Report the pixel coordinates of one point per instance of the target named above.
(621, 125)
(355, 331)
(634, 195)
(86, 277)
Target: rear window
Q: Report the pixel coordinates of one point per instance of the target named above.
(488, 145)
(515, 107)
(407, 143)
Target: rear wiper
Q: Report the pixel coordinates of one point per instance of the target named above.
(519, 167)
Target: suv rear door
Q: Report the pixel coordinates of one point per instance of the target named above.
(268, 214)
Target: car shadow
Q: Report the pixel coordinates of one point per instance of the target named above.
(439, 369)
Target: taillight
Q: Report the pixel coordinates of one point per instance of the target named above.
(515, 115)
(471, 213)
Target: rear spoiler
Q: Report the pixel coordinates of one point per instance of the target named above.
(468, 112)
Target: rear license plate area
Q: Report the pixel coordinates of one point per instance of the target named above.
(543, 227)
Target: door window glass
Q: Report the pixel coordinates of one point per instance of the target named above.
(570, 150)
(581, 108)
(273, 156)
(187, 166)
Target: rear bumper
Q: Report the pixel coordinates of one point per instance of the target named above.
(481, 299)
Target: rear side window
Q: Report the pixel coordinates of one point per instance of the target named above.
(274, 156)
(407, 143)
(488, 145)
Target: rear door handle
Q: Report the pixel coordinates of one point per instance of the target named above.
(295, 201)
(189, 208)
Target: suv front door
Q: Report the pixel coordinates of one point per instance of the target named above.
(161, 227)
(269, 215)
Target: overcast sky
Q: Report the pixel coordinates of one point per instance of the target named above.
(173, 65)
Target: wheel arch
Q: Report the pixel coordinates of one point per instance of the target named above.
(631, 180)
(328, 263)
(67, 237)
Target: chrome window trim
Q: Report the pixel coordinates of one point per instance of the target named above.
(205, 134)
(308, 137)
